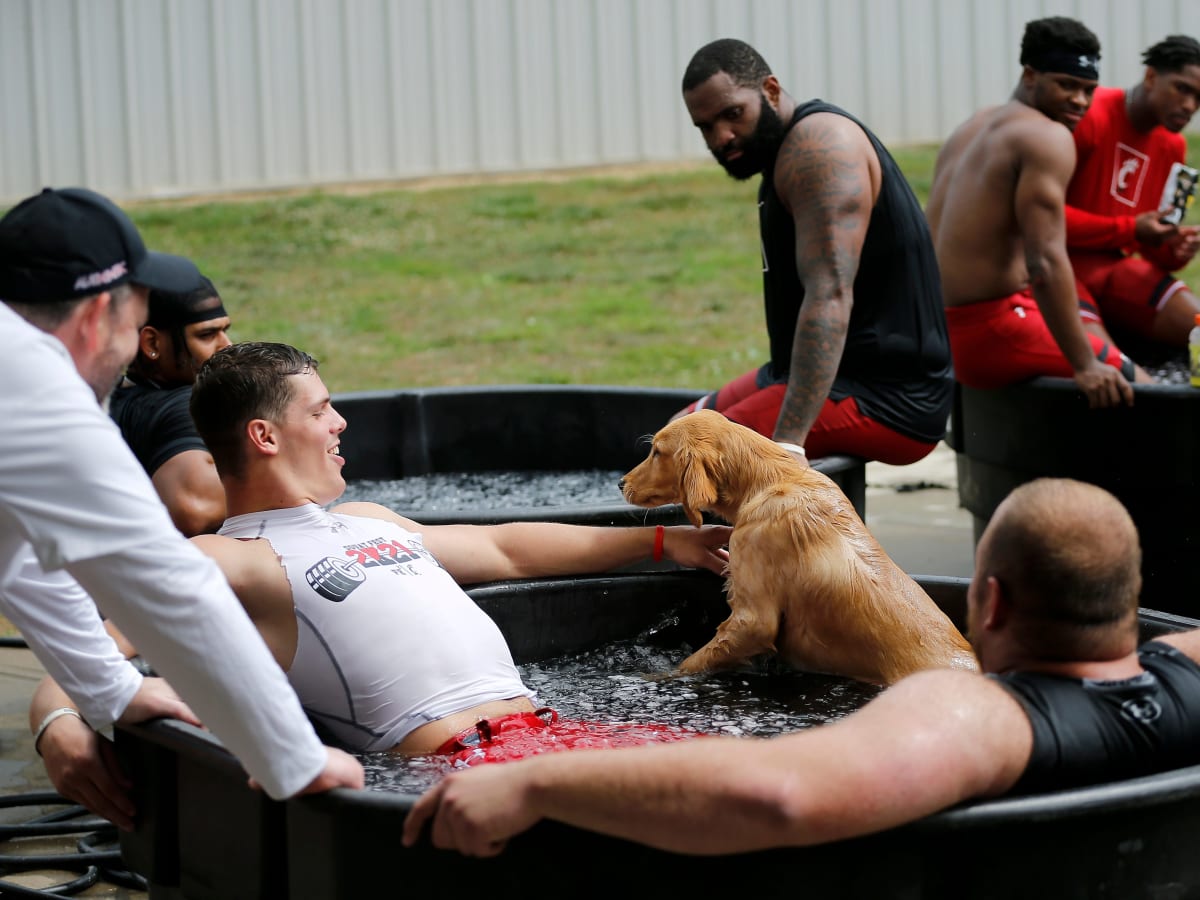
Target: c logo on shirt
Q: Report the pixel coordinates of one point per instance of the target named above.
(1127, 168)
(1141, 710)
(1128, 173)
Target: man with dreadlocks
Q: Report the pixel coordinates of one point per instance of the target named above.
(1123, 247)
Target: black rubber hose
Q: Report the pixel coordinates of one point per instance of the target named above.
(94, 861)
(57, 822)
(124, 878)
(82, 883)
(37, 829)
(14, 863)
(93, 843)
(71, 812)
(37, 798)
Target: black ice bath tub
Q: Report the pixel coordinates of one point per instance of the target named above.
(203, 835)
(526, 428)
(1147, 455)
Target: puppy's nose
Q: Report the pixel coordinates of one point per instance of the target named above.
(621, 484)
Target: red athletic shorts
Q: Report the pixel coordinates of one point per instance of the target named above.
(752, 400)
(522, 734)
(1128, 290)
(1000, 342)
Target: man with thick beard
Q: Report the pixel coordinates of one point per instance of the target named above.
(860, 360)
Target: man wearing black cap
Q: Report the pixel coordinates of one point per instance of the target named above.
(77, 513)
(996, 211)
(151, 404)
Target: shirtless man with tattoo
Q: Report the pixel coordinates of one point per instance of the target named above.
(860, 359)
(996, 211)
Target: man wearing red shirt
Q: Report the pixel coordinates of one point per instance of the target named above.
(1122, 250)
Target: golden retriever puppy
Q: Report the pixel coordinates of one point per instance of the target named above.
(806, 579)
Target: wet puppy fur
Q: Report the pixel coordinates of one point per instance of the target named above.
(806, 579)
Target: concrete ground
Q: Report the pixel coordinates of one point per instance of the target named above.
(21, 772)
(912, 510)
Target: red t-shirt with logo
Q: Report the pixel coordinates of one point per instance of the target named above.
(1119, 172)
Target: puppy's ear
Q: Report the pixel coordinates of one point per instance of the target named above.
(696, 485)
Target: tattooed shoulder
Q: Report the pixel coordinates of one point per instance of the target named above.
(822, 157)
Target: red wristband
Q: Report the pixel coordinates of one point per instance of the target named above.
(659, 531)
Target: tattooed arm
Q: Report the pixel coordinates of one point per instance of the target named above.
(828, 176)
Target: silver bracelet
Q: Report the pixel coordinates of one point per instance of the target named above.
(791, 448)
(50, 717)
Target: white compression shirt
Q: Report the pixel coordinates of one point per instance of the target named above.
(386, 639)
(78, 516)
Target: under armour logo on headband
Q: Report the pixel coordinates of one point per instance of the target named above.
(1078, 65)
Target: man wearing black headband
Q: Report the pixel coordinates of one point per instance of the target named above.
(1123, 226)
(151, 405)
(996, 212)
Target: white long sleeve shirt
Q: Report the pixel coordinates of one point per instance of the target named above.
(79, 517)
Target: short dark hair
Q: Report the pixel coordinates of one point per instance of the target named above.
(238, 384)
(1068, 554)
(1172, 53)
(1057, 33)
(735, 58)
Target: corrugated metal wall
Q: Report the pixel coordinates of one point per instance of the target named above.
(156, 97)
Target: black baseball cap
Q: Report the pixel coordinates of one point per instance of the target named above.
(71, 242)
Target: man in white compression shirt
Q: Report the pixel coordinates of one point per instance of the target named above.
(363, 606)
(79, 517)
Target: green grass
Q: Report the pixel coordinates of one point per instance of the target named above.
(646, 279)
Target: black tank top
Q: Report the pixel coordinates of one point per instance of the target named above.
(897, 357)
(1086, 732)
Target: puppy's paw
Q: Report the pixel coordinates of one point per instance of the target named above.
(692, 666)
